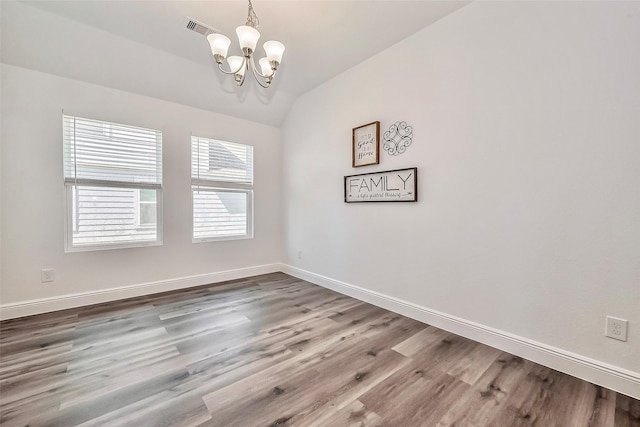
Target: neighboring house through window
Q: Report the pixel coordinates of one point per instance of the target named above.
(222, 189)
(113, 180)
(147, 208)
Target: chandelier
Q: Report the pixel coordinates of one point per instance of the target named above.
(248, 36)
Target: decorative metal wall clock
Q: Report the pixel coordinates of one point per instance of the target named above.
(397, 138)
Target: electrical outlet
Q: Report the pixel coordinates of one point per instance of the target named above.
(46, 275)
(299, 253)
(616, 328)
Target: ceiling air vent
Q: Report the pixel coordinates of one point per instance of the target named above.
(199, 27)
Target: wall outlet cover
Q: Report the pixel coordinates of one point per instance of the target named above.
(46, 275)
(616, 328)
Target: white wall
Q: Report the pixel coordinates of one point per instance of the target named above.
(527, 143)
(32, 190)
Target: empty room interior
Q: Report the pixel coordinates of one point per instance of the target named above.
(320, 213)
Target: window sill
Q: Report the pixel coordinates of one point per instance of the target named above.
(92, 248)
(221, 239)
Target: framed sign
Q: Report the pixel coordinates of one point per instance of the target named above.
(366, 145)
(400, 185)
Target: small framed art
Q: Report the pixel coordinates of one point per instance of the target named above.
(366, 145)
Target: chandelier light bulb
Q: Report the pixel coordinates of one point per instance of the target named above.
(267, 71)
(236, 65)
(274, 51)
(248, 38)
(219, 46)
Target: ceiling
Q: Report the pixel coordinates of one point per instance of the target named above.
(322, 39)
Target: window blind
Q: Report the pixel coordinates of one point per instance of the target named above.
(221, 161)
(97, 152)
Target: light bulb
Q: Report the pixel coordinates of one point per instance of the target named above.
(274, 52)
(266, 67)
(236, 65)
(219, 46)
(248, 38)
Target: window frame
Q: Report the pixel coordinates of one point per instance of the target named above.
(70, 215)
(212, 185)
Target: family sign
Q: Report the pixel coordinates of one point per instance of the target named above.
(389, 186)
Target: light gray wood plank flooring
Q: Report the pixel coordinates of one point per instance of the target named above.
(274, 350)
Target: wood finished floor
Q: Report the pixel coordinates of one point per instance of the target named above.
(273, 350)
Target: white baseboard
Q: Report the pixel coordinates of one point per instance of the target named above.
(46, 305)
(594, 371)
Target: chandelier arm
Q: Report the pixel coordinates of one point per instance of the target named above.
(244, 75)
(230, 72)
(259, 82)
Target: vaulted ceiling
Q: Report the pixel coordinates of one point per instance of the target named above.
(144, 46)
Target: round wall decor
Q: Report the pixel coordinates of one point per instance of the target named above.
(397, 138)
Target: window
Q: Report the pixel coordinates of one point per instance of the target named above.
(113, 180)
(147, 208)
(222, 189)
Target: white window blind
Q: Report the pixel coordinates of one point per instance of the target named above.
(113, 176)
(107, 152)
(222, 187)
